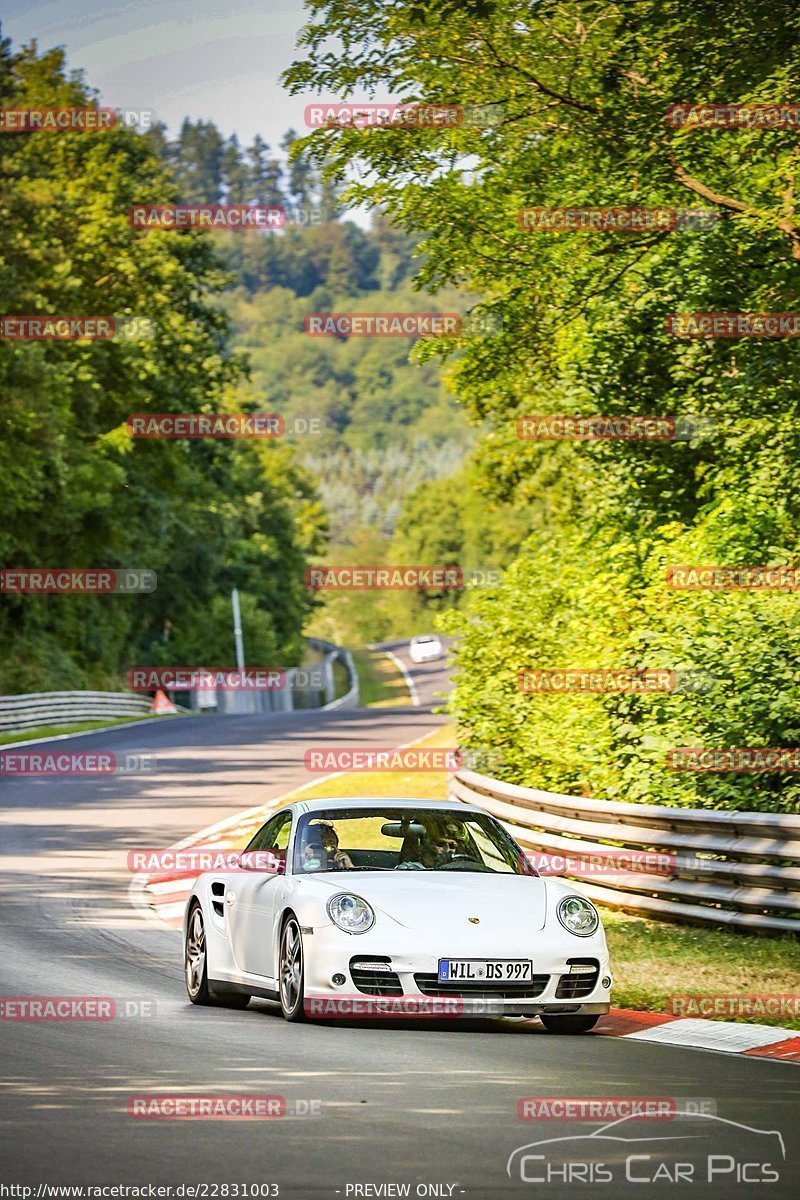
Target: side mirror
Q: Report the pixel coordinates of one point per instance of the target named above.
(268, 862)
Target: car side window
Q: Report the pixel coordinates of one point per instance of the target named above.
(275, 834)
(281, 835)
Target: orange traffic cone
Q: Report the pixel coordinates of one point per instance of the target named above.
(162, 703)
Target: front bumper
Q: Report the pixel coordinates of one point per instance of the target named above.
(380, 974)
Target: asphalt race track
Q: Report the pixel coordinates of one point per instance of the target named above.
(430, 1105)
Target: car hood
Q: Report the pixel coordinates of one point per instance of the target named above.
(415, 899)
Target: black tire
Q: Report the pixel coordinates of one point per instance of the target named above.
(569, 1023)
(196, 967)
(291, 972)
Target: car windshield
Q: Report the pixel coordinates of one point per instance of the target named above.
(391, 839)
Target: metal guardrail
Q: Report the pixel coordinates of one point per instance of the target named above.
(352, 697)
(34, 709)
(330, 652)
(738, 869)
(296, 696)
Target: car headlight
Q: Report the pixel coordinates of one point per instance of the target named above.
(350, 913)
(578, 916)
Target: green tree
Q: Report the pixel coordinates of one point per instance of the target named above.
(198, 162)
(579, 95)
(302, 175)
(267, 174)
(78, 490)
(236, 176)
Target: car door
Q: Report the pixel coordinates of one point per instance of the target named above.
(252, 897)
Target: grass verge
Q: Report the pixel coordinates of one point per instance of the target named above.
(652, 960)
(381, 684)
(30, 735)
(421, 785)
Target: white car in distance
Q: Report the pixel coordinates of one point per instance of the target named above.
(425, 648)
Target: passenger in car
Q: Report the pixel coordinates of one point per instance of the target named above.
(338, 860)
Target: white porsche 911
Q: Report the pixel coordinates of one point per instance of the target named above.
(338, 904)
(425, 648)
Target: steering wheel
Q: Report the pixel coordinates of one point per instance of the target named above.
(463, 862)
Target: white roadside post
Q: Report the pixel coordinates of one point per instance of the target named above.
(237, 629)
(238, 701)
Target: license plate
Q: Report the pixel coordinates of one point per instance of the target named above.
(488, 970)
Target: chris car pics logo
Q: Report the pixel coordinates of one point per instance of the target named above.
(696, 1148)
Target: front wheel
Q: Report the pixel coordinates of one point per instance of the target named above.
(569, 1023)
(290, 972)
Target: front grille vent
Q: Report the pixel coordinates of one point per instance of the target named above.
(373, 975)
(579, 982)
